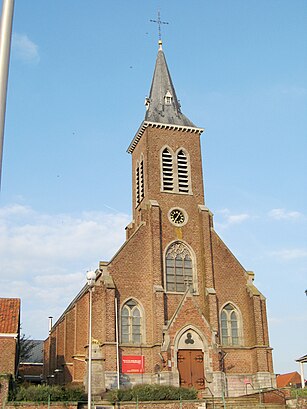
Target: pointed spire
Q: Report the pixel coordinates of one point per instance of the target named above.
(162, 105)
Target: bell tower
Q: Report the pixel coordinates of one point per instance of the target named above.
(166, 155)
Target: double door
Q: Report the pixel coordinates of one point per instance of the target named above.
(190, 364)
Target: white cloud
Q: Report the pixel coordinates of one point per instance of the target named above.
(290, 254)
(24, 49)
(231, 219)
(44, 257)
(282, 214)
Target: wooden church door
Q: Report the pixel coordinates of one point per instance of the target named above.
(191, 368)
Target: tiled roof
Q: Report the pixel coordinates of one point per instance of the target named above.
(287, 378)
(9, 315)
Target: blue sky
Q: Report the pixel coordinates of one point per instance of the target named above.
(79, 74)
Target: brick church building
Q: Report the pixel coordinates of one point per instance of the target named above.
(188, 312)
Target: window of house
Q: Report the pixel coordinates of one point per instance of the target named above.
(178, 268)
(131, 323)
(230, 325)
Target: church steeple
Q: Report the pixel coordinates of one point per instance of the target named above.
(162, 104)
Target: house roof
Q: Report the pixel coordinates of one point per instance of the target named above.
(36, 352)
(302, 359)
(9, 315)
(287, 379)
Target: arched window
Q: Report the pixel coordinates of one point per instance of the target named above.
(131, 323)
(178, 268)
(183, 172)
(230, 326)
(167, 170)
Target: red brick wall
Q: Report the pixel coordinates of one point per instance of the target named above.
(8, 355)
(28, 369)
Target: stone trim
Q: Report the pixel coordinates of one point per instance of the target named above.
(145, 124)
(6, 335)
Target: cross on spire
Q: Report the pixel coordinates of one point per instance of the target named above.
(159, 22)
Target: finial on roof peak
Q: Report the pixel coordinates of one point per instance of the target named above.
(160, 45)
(159, 22)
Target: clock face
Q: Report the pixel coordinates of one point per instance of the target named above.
(177, 216)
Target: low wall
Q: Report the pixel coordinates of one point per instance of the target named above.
(301, 403)
(119, 405)
(42, 405)
(161, 405)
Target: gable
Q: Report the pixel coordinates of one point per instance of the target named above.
(188, 313)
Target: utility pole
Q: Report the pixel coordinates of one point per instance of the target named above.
(5, 48)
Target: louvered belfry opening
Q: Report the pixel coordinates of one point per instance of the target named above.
(167, 167)
(137, 185)
(183, 173)
(141, 172)
(139, 182)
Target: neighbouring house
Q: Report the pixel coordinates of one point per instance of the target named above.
(9, 335)
(9, 343)
(291, 379)
(302, 360)
(174, 305)
(31, 368)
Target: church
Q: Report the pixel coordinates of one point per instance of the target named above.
(173, 306)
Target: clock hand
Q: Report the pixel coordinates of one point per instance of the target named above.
(177, 219)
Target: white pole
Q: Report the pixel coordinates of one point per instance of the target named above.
(117, 343)
(89, 384)
(5, 47)
(302, 375)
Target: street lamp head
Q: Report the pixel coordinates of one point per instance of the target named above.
(91, 278)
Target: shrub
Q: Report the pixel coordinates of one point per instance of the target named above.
(117, 395)
(41, 393)
(151, 393)
(299, 392)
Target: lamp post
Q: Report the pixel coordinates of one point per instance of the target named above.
(90, 277)
(5, 48)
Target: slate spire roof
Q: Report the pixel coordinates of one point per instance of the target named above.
(162, 104)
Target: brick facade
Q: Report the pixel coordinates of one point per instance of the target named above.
(8, 355)
(170, 321)
(9, 335)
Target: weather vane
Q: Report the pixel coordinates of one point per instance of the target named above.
(159, 22)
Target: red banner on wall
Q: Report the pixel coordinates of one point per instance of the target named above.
(133, 364)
